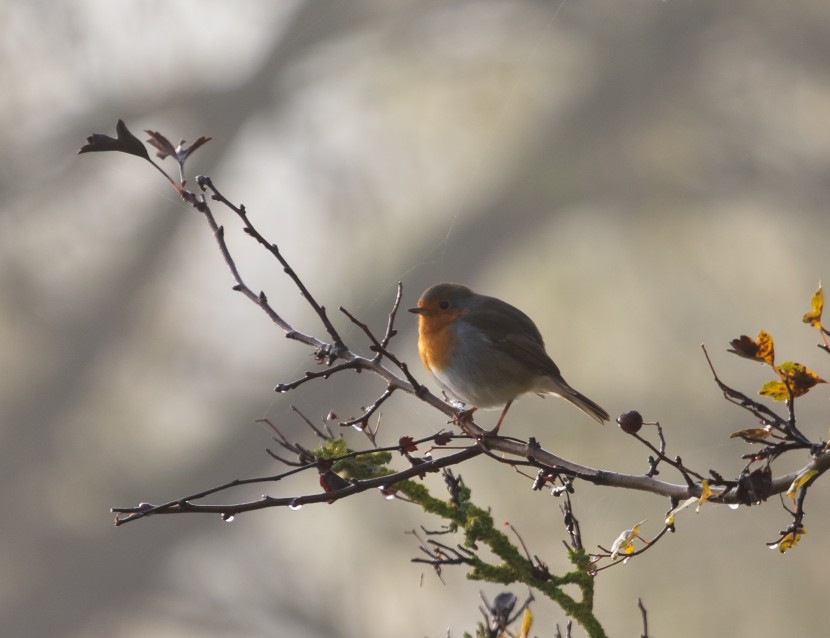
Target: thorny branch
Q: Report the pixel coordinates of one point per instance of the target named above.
(760, 411)
(503, 449)
(186, 504)
(206, 184)
(756, 483)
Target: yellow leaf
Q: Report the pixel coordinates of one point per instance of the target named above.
(705, 495)
(527, 623)
(817, 302)
(790, 540)
(625, 541)
(800, 481)
(775, 390)
(799, 378)
(766, 350)
(760, 350)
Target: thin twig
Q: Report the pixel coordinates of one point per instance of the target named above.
(676, 463)
(206, 184)
(380, 349)
(179, 506)
(760, 411)
(240, 286)
(624, 559)
(369, 411)
(390, 322)
(354, 364)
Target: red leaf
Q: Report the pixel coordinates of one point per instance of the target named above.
(443, 439)
(407, 445)
(331, 482)
(162, 145)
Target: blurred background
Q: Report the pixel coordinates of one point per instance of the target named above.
(639, 178)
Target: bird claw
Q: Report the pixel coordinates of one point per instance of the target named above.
(464, 419)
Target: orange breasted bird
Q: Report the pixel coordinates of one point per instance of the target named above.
(486, 353)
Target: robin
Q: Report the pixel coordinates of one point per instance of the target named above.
(486, 353)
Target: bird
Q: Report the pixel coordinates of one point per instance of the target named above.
(485, 353)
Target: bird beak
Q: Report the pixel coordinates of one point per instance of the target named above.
(417, 311)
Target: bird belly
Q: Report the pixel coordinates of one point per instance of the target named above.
(480, 375)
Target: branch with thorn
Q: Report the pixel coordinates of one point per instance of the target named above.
(344, 472)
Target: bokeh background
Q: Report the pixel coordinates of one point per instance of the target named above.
(641, 178)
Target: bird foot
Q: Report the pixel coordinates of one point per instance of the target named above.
(464, 419)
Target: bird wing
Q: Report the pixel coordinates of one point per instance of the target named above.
(514, 333)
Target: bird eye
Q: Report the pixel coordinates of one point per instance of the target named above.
(444, 305)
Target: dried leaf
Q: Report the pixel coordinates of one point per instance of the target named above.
(670, 516)
(817, 302)
(745, 346)
(755, 456)
(800, 481)
(776, 390)
(527, 623)
(625, 541)
(443, 439)
(766, 350)
(760, 350)
(187, 151)
(706, 494)
(755, 486)
(752, 435)
(163, 146)
(407, 445)
(331, 482)
(126, 142)
(789, 541)
(799, 378)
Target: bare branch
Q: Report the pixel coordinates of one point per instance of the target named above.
(363, 420)
(777, 436)
(379, 347)
(186, 504)
(645, 617)
(354, 364)
(206, 184)
(759, 410)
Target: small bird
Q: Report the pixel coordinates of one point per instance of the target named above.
(485, 352)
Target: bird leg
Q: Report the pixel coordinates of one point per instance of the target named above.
(495, 430)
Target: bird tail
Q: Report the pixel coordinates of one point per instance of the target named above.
(556, 385)
(586, 405)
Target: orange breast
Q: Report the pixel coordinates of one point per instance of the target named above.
(436, 339)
